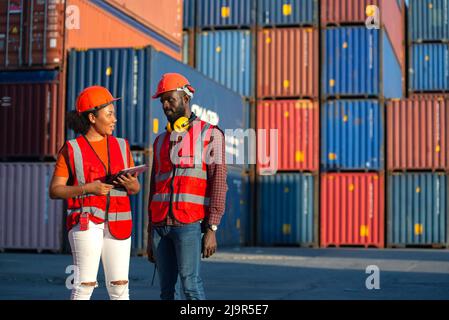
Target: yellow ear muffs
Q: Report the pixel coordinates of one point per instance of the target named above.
(180, 125)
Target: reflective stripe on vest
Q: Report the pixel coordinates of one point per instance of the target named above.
(120, 216)
(181, 197)
(122, 144)
(78, 159)
(114, 193)
(196, 172)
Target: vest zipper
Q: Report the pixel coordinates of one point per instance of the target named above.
(170, 209)
(106, 171)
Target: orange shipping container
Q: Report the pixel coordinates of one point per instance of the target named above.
(288, 63)
(165, 16)
(33, 33)
(100, 28)
(418, 134)
(297, 146)
(352, 209)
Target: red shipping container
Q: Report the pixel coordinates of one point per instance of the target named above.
(297, 122)
(31, 114)
(288, 63)
(391, 16)
(352, 209)
(32, 35)
(166, 20)
(418, 134)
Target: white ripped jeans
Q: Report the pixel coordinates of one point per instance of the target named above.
(87, 248)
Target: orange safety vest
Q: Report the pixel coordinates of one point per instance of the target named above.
(87, 167)
(182, 186)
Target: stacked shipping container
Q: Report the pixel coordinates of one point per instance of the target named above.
(287, 94)
(362, 65)
(417, 134)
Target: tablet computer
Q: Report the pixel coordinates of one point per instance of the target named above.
(133, 170)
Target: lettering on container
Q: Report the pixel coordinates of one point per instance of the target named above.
(371, 200)
(135, 79)
(371, 51)
(373, 17)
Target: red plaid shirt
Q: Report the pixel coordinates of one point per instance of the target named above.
(216, 179)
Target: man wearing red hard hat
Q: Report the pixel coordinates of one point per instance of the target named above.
(188, 191)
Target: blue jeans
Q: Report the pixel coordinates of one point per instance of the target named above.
(178, 252)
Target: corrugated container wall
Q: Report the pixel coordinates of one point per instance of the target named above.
(290, 12)
(429, 67)
(417, 209)
(123, 72)
(225, 13)
(359, 61)
(352, 210)
(297, 147)
(29, 219)
(232, 228)
(352, 136)
(225, 56)
(288, 62)
(139, 208)
(31, 33)
(390, 14)
(31, 114)
(188, 47)
(428, 20)
(418, 134)
(212, 102)
(189, 14)
(166, 20)
(287, 209)
(116, 29)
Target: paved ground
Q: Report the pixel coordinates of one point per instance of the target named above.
(256, 274)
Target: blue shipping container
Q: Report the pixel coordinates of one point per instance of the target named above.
(429, 67)
(428, 20)
(226, 13)
(359, 61)
(417, 209)
(352, 135)
(133, 74)
(139, 210)
(212, 102)
(226, 57)
(288, 12)
(122, 71)
(287, 209)
(189, 14)
(233, 225)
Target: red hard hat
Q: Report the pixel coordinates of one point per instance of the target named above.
(94, 97)
(173, 81)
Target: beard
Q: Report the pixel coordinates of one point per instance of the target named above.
(178, 113)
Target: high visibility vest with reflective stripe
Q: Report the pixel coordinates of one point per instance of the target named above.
(86, 167)
(183, 184)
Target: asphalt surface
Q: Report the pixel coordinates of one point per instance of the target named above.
(256, 274)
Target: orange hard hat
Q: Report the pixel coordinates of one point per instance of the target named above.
(173, 81)
(94, 97)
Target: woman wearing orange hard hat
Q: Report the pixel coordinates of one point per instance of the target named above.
(98, 210)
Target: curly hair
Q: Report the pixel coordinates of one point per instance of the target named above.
(79, 122)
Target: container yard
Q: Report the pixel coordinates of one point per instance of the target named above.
(335, 121)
